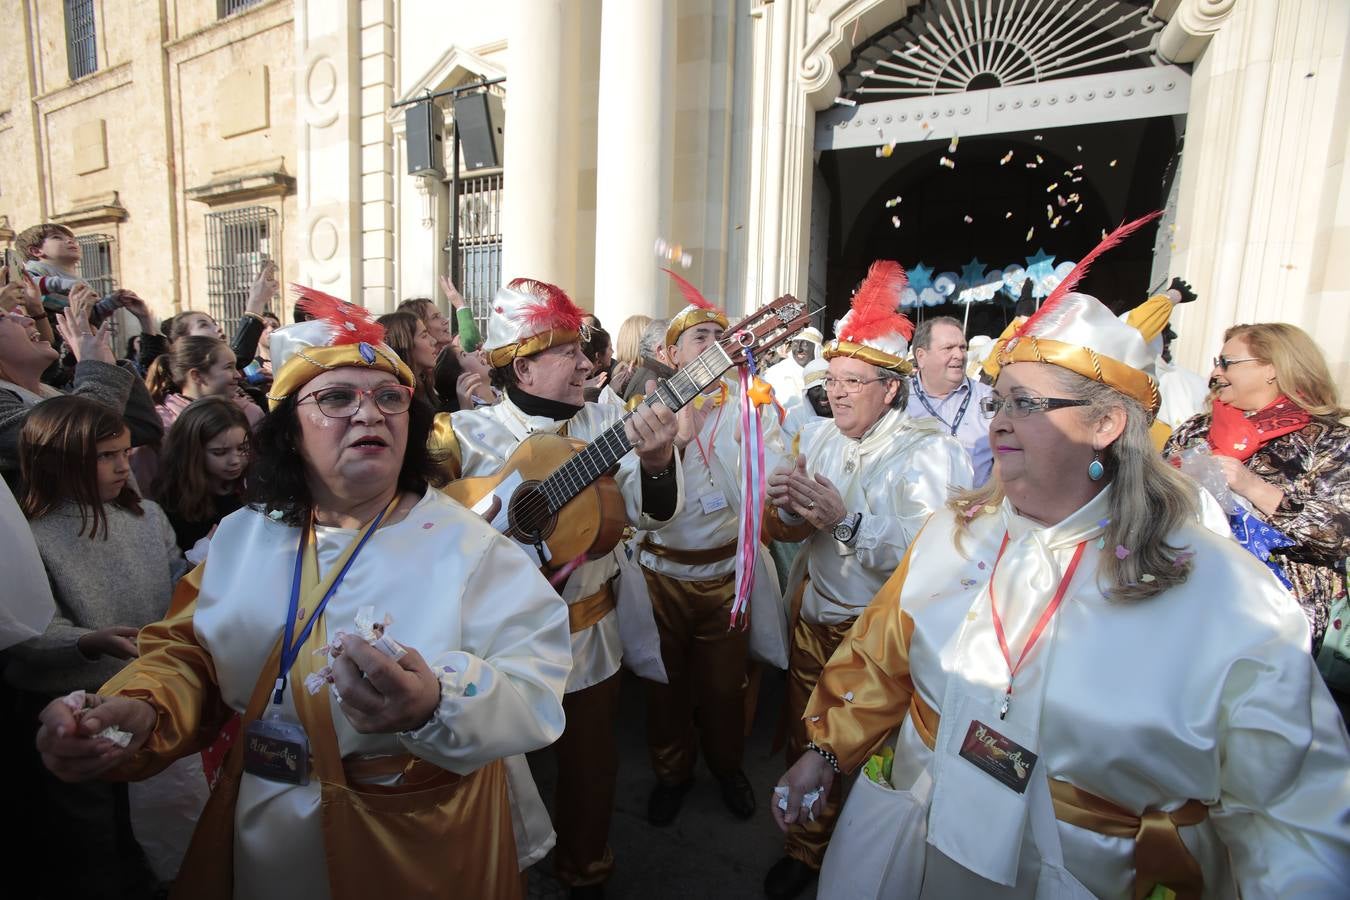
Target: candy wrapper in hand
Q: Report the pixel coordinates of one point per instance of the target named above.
(1199, 463)
(374, 632)
(809, 799)
(878, 768)
(78, 701)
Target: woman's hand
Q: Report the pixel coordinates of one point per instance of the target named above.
(452, 294)
(382, 695)
(264, 288)
(67, 739)
(73, 323)
(470, 386)
(119, 642)
(807, 774)
(1243, 481)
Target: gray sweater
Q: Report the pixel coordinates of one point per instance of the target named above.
(127, 579)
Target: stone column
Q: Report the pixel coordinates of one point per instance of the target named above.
(634, 157)
(539, 201)
(327, 67)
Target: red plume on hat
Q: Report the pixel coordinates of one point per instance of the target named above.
(552, 307)
(351, 324)
(875, 311)
(1065, 287)
(692, 296)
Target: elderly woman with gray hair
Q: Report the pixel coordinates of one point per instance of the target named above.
(1069, 688)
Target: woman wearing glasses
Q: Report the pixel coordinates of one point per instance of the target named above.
(1086, 693)
(386, 649)
(1274, 430)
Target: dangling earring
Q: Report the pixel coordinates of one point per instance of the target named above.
(1095, 468)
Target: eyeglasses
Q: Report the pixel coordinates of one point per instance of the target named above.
(1222, 362)
(343, 402)
(848, 385)
(1019, 406)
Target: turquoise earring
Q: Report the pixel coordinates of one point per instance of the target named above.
(1095, 468)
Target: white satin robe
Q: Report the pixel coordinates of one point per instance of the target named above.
(1204, 692)
(896, 475)
(461, 595)
(488, 435)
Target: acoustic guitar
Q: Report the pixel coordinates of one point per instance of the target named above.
(559, 498)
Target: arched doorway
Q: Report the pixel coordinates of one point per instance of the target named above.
(972, 144)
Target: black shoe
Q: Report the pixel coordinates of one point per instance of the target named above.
(587, 892)
(787, 878)
(737, 794)
(664, 803)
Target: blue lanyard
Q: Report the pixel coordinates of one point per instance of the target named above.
(290, 649)
(960, 413)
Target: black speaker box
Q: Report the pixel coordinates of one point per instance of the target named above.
(425, 138)
(479, 119)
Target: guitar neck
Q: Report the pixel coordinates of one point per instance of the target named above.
(601, 454)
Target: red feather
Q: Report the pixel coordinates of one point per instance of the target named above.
(691, 293)
(876, 305)
(352, 324)
(553, 309)
(1070, 282)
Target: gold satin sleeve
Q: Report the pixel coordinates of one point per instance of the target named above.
(778, 530)
(872, 663)
(176, 676)
(443, 447)
(1150, 317)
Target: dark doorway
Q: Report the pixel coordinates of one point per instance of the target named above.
(1126, 169)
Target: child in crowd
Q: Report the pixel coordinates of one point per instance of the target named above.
(203, 464)
(51, 257)
(112, 562)
(196, 367)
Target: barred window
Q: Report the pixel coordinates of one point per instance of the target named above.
(230, 7)
(96, 262)
(81, 57)
(480, 242)
(238, 242)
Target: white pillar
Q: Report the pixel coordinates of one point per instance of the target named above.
(634, 157)
(539, 199)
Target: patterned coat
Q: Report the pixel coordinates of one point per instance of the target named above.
(1312, 467)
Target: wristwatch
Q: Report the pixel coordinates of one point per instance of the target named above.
(847, 529)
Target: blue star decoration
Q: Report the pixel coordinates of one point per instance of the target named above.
(1259, 539)
(920, 277)
(972, 273)
(1042, 265)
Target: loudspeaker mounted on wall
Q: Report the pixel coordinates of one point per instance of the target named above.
(425, 124)
(479, 118)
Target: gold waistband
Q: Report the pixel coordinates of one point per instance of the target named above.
(691, 557)
(589, 610)
(1160, 856)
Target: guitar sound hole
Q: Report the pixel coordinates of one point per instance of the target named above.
(528, 514)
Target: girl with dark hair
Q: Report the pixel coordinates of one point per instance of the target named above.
(407, 336)
(202, 468)
(430, 731)
(112, 563)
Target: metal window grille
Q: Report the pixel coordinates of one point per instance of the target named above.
(81, 56)
(96, 262)
(230, 7)
(480, 242)
(238, 242)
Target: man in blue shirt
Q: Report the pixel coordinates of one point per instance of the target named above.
(939, 389)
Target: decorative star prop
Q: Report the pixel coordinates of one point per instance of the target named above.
(920, 277)
(760, 393)
(1039, 268)
(972, 273)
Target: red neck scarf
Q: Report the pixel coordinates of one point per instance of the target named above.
(1233, 433)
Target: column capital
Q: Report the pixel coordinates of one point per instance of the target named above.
(1192, 24)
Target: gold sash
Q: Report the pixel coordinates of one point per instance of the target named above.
(1160, 856)
(691, 557)
(589, 610)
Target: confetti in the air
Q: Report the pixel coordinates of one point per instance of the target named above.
(1006, 158)
(1055, 222)
(895, 220)
(1080, 148)
(1032, 230)
(1039, 159)
(673, 253)
(1031, 165)
(1008, 214)
(969, 220)
(1038, 137)
(1052, 187)
(1113, 163)
(844, 101)
(885, 151)
(947, 162)
(894, 201)
(951, 147)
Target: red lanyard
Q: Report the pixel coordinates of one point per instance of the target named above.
(1044, 620)
(717, 419)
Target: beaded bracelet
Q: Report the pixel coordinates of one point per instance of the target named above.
(828, 756)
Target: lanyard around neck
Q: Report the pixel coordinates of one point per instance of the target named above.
(1036, 632)
(290, 647)
(960, 413)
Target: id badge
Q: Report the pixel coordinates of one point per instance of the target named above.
(277, 750)
(983, 768)
(713, 502)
